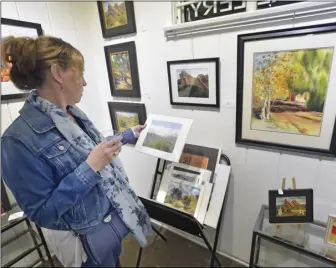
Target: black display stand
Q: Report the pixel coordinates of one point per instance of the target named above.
(179, 219)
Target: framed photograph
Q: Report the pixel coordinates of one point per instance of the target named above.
(125, 115)
(291, 206)
(116, 18)
(285, 96)
(330, 236)
(15, 28)
(164, 136)
(122, 66)
(194, 82)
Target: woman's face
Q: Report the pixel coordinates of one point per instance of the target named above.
(73, 85)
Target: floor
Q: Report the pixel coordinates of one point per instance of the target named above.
(176, 252)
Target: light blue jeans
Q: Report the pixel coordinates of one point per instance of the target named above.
(103, 244)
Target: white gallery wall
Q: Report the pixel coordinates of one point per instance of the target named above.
(254, 171)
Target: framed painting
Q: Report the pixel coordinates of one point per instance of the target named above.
(15, 28)
(122, 69)
(116, 18)
(285, 96)
(330, 236)
(126, 115)
(199, 156)
(291, 206)
(164, 136)
(194, 82)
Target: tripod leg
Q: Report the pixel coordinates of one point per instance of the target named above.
(139, 257)
(209, 247)
(159, 234)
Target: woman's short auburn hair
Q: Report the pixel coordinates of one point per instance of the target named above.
(30, 59)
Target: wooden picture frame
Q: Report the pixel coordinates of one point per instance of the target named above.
(330, 231)
(15, 28)
(291, 206)
(194, 82)
(273, 109)
(126, 109)
(128, 18)
(124, 78)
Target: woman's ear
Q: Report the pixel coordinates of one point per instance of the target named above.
(57, 73)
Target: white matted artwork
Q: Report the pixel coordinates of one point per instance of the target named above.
(285, 95)
(164, 136)
(187, 189)
(194, 82)
(15, 28)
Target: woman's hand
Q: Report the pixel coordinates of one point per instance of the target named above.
(137, 130)
(103, 153)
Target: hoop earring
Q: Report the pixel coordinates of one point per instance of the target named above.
(62, 89)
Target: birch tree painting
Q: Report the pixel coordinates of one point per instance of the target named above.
(289, 90)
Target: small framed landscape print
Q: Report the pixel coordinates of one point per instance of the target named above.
(194, 82)
(164, 136)
(116, 18)
(285, 96)
(291, 206)
(330, 236)
(122, 66)
(126, 115)
(15, 28)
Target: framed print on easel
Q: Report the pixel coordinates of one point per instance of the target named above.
(122, 67)
(116, 18)
(194, 82)
(15, 28)
(285, 96)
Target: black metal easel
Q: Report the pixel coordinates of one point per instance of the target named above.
(179, 219)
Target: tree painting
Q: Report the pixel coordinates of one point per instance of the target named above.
(289, 90)
(121, 70)
(126, 120)
(114, 14)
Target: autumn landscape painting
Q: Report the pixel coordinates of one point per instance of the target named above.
(194, 160)
(126, 120)
(291, 206)
(193, 83)
(289, 90)
(182, 196)
(162, 135)
(115, 14)
(121, 70)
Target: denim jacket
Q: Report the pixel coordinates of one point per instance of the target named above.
(51, 181)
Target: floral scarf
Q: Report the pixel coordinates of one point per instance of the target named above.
(114, 183)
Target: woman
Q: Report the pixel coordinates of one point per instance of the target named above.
(63, 173)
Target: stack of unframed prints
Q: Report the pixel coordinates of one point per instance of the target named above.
(187, 189)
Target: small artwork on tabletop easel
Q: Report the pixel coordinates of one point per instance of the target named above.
(290, 206)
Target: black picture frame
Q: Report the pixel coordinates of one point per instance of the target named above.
(266, 35)
(128, 28)
(193, 61)
(5, 203)
(307, 193)
(128, 107)
(130, 48)
(4, 21)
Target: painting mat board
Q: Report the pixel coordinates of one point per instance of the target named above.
(221, 180)
(204, 202)
(179, 144)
